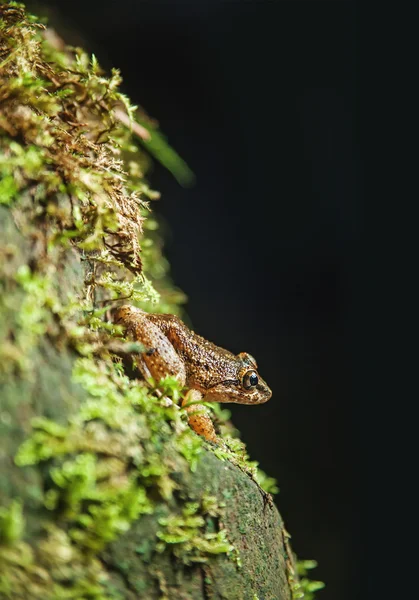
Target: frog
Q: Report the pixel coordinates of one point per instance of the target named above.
(208, 372)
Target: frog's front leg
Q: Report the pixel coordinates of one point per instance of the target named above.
(199, 416)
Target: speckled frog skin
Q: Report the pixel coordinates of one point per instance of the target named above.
(211, 373)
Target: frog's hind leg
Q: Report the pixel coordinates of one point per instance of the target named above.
(145, 372)
(160, 356)
(199, 416)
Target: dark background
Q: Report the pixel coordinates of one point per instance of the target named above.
(259, 98)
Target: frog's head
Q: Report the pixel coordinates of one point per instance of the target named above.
(247, 387)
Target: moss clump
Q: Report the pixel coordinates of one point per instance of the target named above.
(53, 569)
(12, 522)
(193, 534)
(304, 587)
(113, 460)
(68, 159)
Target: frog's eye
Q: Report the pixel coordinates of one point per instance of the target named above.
(250, 379)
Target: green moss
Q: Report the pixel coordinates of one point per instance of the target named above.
(113, 462)
(79, 159)
(306, 587)
(12, 522)
(127, 424)
(21, 164)
(54, 569)
(192, 535)
(107, 465)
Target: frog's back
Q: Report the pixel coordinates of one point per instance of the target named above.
(205, 363)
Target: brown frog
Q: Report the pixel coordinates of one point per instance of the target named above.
(211, 373)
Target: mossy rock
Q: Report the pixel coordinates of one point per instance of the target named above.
(105, 491)
(171, 550)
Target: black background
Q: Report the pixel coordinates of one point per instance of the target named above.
(259, 98)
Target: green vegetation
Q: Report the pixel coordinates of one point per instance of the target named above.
(305, 587)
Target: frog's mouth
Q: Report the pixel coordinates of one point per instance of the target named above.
(265, 392)
(233, 391)
(262, 394)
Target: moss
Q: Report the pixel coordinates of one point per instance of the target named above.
(76, 159)
(193, 534)
(12, 522)
(54, 569)
(305, 587)
(113, 462)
